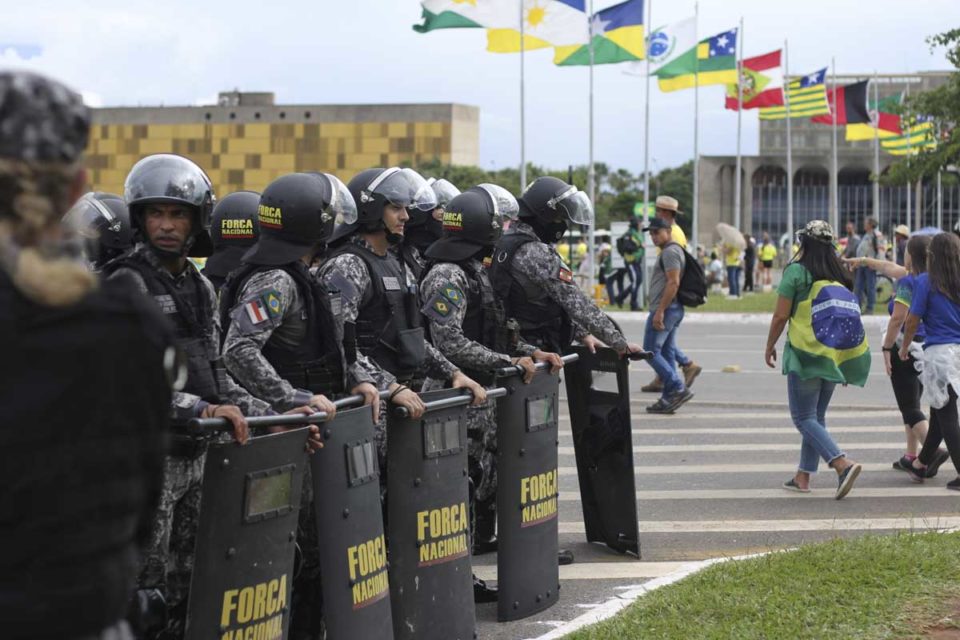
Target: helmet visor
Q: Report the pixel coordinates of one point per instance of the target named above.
(504, 204)
(404, 188)
(341, 206)
(88, 217)
(168, 178)
(574, 205)
(445, 192)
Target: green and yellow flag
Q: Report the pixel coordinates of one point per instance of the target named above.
(711, 61)
(617, 37)
(914, 139)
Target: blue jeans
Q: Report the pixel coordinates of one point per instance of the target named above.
(865, 285)
(808, 409)
(733, 280)
(662, 345)
(636, 269)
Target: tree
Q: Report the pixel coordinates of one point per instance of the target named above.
(942, 106)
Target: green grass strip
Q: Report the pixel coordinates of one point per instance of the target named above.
(869, 587)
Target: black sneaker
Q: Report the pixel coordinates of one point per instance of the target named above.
(846, 479)
(954, 484)
(903, 463)
(660, 406)
(917, 475)
(933, 467)
(678, 398)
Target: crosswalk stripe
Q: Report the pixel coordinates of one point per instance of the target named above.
(751, 431)
(764, 494)
(683, 417)
(929, 522)
(619, 570)
(747, 446)
(689, 469)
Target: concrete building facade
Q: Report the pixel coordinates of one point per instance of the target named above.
(764, 177)
(246, 140)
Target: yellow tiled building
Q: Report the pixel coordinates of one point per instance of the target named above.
(246, 141)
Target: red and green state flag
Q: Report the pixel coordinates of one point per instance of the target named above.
(884, 123)
(762, 80)
(848, 105)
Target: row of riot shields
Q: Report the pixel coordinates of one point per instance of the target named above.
(422, 587)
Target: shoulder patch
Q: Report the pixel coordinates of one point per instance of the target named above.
(337, 281)
(271, 299)
(565, 274)
(438, 308)
(453, 294)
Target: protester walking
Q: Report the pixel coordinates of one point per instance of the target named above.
(936, 303)
(768, 253)
(732, 259)
(870, 246)
(813, 367)
(749, 262)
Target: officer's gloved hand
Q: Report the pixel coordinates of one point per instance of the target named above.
(320, 402)
(403, 396)
(314, 441)
(592, 343)
(529, 368)
(241, 431)
(370, 396)
(556, 363)
(460, 380)
(636, 352)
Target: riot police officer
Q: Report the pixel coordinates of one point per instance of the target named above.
(426, 225)
(80, 465)
(170, 200)
(536, 286)
(380, 310)
(234, 228)
(469, 326)
(101, 222)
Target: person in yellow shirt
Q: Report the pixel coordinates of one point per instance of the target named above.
(732, 258)
(768, 252)
(668, 208)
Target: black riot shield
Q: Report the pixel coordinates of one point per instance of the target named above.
(603, 444)
(353, 552)
(527, 493)
(244, 554)
(428, 520)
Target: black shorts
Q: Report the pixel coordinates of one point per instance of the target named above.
(767, 264)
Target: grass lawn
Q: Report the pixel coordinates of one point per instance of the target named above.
(894, 586)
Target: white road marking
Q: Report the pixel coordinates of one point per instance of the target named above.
(916, 523)
(753, 431)
(766, 494)
(752, 416)
(746, 446)
(618, 570)
(688, 469)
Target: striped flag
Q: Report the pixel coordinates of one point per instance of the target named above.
(912, 141)
(807, 96)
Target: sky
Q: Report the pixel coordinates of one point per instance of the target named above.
(365, 51)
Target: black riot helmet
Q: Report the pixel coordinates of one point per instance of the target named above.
(166, 178)
(296, 213)
(372, 189)
(101, 221)
(472, 222)
(234, 229)
(425, 227)
(548, 204)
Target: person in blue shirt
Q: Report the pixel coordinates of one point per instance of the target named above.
(936, 302)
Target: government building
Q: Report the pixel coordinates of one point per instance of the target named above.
(764, 176)
(246, 140)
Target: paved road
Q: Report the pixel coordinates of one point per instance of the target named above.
(708, 478)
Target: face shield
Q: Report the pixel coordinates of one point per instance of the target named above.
(341, 207)
(572, 205)
(89, 217)
(504, 204)
(445, 191)
(404, 188)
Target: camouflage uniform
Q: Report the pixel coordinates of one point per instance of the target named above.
(446, 331)
(167, 559)
(539, 264)
(349, 274)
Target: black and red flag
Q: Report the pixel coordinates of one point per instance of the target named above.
(848, 104)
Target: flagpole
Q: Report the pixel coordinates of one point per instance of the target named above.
(737, 181)
(909, 153)
(696, 126)
(834, 169)
(646, 117)
(591, 177)
(786, 102)
(523, 124)
(939, 200)
(876, 151)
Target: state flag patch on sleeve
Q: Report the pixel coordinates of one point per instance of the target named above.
(256, 311)
(264, 307)
(565, 274)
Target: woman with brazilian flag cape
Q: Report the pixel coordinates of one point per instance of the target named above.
(826, 345)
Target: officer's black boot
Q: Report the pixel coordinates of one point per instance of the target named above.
(482, 592)
(485, 537)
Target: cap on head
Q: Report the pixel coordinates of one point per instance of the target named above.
(819, 230)
(657, 223)
(41, 120)
(668, 204)
(235, 222)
